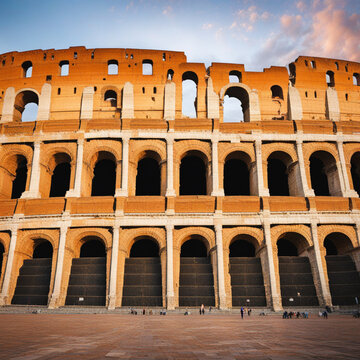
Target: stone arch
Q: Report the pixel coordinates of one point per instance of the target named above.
(224, 152)
(93, 147)
(117, 92)
(22, 98)
(255, 234)
(254, 105)
(183, 146)
(301, 238)
(182, 235)
(325, 230)
(129, 236)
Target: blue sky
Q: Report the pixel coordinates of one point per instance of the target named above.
(255, 33)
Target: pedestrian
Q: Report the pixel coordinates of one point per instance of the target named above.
(210, 308)
(249, 312)
(325, 314)
(242, 312)
(202, 309)
(143, 311)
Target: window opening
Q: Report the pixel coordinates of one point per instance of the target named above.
(147, 67)
(330, 79)
(346, 68)
(111, 96)
(44, 56)
(306, 94)
(193, 248)
(236, 105)
(148, 179)
(164, 56)
(92, 248)
(48, 77)
(27, 69)
(64, 68)
(144, 248)
(19, 182)
(26, 106)
(43, 251)
(60, 180)
(236, 175)
(356, 79)
(92, 54)
(355, 171)
(337, 65)
(59, 91)
(235, 76)
(241, 248)
(170, 74)
(75, 55)
(143, 90)
(315, 94)
(277, 92)
(189, 94)
(154, 90)
(313, 64)
(74, 90)
(192, 176)
(306, 63)
(346, 97)
(113, 67)
(103, 183)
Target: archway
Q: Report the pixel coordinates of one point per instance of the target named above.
(142, 278)
(32, 287)
(355, 171)
(189, 94)
(20, 178)
(279, 176)
(196, 284)
(236, 105)
(192, 174)
(103, 182)
(296, 279)
(247, 283)
(324, 174)
(344, 279)
(26, 106)
(236, 174)
(87, 283)
(60, 179)
(148, 178)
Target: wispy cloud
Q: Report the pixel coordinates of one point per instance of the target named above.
(207, 26)
(167, 11)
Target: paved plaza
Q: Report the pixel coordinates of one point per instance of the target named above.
(118, 336)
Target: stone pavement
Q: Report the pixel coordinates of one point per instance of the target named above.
(116, 336)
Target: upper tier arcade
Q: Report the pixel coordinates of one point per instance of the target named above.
(80, 83)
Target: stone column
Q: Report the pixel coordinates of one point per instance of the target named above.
(326, 296)
(125, 168)
(347, 190)
(54, 301)
(113, 268)
(33, 191)
(260, 176)
(220, 266)
(170, 191)
(307, 191)
(215, 169)
(8, 270)
(8, 105)
(275, 296)
(76, 192)
(44, 102)
(170, 296)
(87, 101)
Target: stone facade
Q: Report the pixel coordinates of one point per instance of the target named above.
(125, 115)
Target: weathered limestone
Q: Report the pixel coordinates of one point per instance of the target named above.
(128, 101)
(220, 266)
(170, 191)
(170, 295)
(87, 103)
(305, 187)
(44, 103)
(261, 191)
(295, 107)
(4, 295)
(35, 174)
(212, 98)
(8, 106)
(113, 268)
(76, 192)
(169, 101)
(332, 104)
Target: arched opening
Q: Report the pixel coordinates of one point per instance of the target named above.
(26, 106)
(19, 181)
(344, 279)
(27, 69)
(33, 282)
(296, 278)
(356, 79)
(170, 74)
(277, 92)
(196, 284)
(324, 175)
(64, 68)
(193, 248)
(2, 250)
(235, 76)
(313, 64)
(278, 176)
(111, 97)
(103, 182)
(236, 105)
(242, 248)
(92, 248)
(145, 247)
(247, 283)
(113, 67)
(236, 174)
(292, 70)
(43, 251)
(330, 78)
(87, 283)
(189, 94)
(142, 278)
(148, 178)
(355, 171)
(147, 67)
(192, 175)
(60, 179)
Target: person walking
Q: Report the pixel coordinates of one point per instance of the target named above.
(202, 309)
(242, 312)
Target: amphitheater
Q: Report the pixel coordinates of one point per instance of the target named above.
(114, 193)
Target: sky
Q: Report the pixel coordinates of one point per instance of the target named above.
(255, 33)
